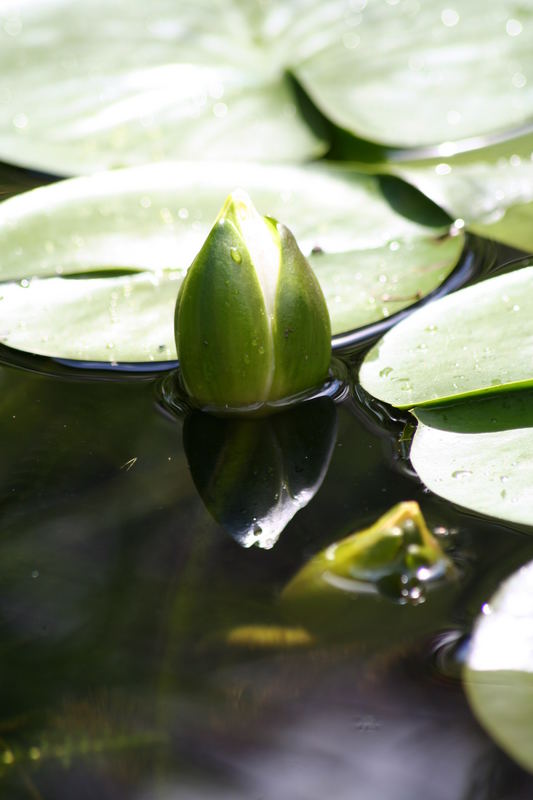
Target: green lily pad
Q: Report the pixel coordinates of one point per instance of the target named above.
(498, 676)
(475, 184)
(475, 341)
(479, 454)
(116, 84)
(414, 74)
(490, 188)
(122, 84)
(91, 267)
(514, 227)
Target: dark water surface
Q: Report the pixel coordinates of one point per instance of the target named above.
(146, 654)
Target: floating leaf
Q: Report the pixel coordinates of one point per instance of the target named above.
(475, 341)
(98, 261)
(106, 84)
(396, 73)
(124, 318)
(498, 676)
(479, 454)
(95, 86)
(491, 188)
(475, 184)
(514, 227)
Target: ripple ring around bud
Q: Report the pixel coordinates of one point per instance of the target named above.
(173, 398)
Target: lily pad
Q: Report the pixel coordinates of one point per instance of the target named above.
(490, 188)
(512, 225)
(91, 267)
(498, 676)
(479, 454)
(414, 74)
(475, 341)
(114, 84)
(107, 84)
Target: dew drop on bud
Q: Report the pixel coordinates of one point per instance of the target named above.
(236, 255)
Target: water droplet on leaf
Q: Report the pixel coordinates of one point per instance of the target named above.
(449, 17)
(461, 473)
(513, 27)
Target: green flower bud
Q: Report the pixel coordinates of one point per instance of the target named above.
(396, 557)
(383, 586)
(252, 325)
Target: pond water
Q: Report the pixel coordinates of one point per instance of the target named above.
(147, 654)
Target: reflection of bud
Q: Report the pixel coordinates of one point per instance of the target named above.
(255, 475)
(252, 324)
(397, 557)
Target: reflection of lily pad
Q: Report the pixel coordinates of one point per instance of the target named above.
(499, 672)
(66, 252)
(475, 341)
(105, 84)
(479, 454)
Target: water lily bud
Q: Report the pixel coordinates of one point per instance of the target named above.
(397, 557)
(252, 325)
(382, 586)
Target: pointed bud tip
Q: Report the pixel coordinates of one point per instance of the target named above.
(237, 206)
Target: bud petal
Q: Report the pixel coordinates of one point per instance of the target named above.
(252, 325)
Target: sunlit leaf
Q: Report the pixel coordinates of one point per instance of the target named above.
(104, 319)
(414, 74)
(104, 84)
(514, 227)
(499, 672)
(92, 266)
(475, 341)
(89, 86)
(490, 188)
(479, 454)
